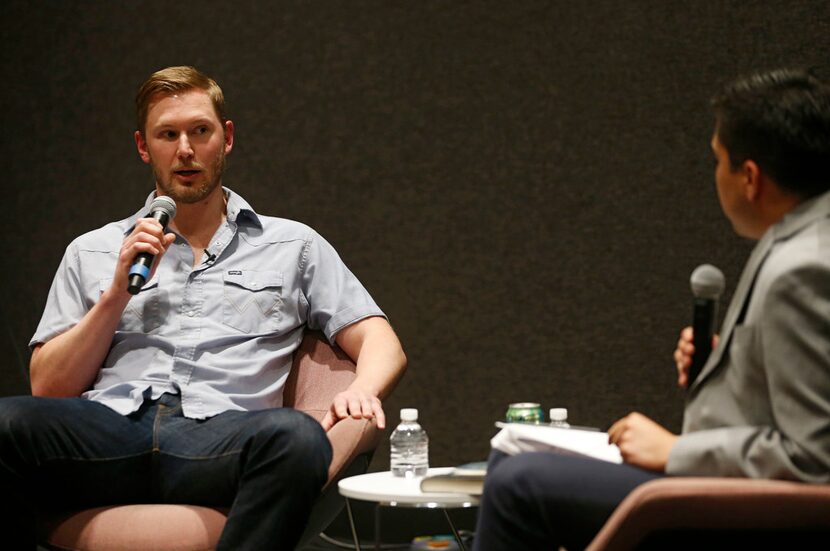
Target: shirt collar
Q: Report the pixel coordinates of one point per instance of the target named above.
(802, 215)
(238, 210)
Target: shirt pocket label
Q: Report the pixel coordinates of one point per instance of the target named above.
(252, 300)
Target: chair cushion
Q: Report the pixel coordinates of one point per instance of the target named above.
(125, 527)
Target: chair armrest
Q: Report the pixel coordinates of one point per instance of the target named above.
(677, 503)
(350, 438)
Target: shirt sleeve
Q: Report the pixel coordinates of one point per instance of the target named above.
(793, 340)
(65, 304)
(334, 295)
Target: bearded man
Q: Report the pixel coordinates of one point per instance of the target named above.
(173, 394)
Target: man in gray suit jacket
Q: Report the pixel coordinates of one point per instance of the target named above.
(760, 407)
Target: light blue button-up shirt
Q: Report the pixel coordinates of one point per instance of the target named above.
(221, 334)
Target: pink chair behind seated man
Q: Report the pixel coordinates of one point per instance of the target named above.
(319, 372)
(718, 513)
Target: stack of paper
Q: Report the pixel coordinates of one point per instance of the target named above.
(522, 437)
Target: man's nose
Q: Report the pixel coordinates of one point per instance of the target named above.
(184, 150)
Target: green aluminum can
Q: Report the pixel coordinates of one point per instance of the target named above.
(525, 412)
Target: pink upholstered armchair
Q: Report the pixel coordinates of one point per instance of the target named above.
(718, 513)
(318, 374)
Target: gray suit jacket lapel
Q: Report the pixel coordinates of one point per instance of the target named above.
(742, 292)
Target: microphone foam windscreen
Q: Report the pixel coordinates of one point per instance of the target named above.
(707, 282)
(162, 202)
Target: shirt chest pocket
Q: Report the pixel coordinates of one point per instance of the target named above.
(146, 311)
(252, 300)
(746, 375)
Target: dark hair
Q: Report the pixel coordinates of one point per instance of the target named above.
(780, 120)
(176, 79)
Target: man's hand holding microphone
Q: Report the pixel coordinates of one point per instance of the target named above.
(147, 241)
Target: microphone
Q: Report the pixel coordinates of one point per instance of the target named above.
(707, 286)
(162, 209)
(211, 258)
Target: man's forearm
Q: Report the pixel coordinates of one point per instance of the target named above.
(68, 364)
(380, 365)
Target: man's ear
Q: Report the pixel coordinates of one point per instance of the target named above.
(141, 145)
(228, 136)
(752, 180)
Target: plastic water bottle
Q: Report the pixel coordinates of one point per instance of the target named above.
(409, 446)
(559, 418)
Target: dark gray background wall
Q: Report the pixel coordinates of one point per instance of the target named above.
(524, 187)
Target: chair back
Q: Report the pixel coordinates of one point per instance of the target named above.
(319, 372)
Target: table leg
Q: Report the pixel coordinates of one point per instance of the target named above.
(377, 527)
(454, 531)
(351, 523)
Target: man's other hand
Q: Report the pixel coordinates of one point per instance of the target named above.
(642, 442)
(357, 404)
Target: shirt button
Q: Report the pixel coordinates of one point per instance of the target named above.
(191, 313)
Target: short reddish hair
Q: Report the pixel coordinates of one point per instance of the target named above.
(176, 79)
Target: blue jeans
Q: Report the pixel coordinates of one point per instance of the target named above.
(267, 466)
(535, 501)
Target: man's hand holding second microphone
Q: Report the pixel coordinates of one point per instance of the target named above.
(683, 354)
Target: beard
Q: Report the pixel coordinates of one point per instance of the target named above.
(197, 191)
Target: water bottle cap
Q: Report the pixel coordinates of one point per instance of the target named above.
(409, 414)
(558, 414)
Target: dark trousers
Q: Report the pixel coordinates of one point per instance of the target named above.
(267, 466)
(544, 500)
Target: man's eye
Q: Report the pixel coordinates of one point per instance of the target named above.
(170, 135)
(202, 130)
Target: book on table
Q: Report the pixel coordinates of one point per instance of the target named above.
(463, 479)
(525, 437)
(517, 438)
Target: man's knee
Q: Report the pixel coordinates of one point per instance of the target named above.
(307, 435)
(20, 422)
(19, 417)
(514, 477)
(297, 437)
